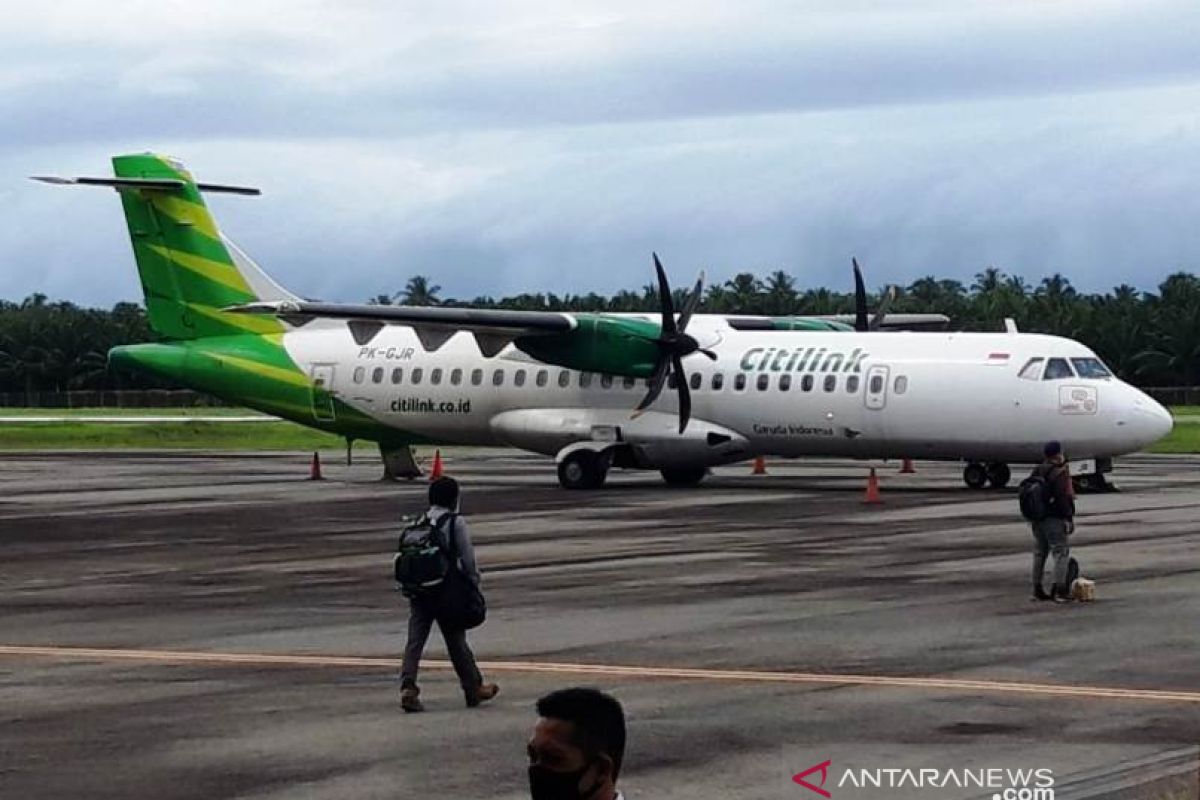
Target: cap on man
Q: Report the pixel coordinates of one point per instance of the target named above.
(577, 746)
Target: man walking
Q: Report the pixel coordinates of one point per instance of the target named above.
(443, 514)
(1050, 534)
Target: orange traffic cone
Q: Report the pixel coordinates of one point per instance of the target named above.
(907, 468)
(314, 471)
(436, 471)
(872, 489)
(760, 466)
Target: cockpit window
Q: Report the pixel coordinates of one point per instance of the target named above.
(1032, 369)
(1091, 368)
(1057, 368)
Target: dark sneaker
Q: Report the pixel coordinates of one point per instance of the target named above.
(1059, 595)
(410, 700)
(1039, 594)
(481, 694)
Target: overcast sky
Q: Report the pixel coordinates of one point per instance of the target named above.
(507, 147)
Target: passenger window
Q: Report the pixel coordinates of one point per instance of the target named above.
(629, 382)
(377, 375)
(1032, 369)
(435, 377)
(718, 381)
(416, 375)
(830, 382)
(876, 384)
(359, 374)
(455, 377)
(519, 378)
(806, 383)
(585, 380)
(543, 377)
(397, 375)
(672, 381)
(1057, 368)
(606, 381)
(697, 379)
(851, 384)
(785, 383)
(476, 377)
(564, 378)
(901, 385)
(739, 382)
(1090, 368)
(764, 381)
(498, 378)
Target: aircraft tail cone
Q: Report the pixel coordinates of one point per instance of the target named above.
(872, 495)
(907, 467)
(314, 471)
(760, 466)
(436, 471)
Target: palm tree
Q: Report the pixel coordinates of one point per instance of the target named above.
(419, 292)
(781, 294)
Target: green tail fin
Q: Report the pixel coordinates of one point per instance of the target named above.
(189, 271)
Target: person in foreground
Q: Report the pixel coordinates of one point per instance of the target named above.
(577, 746)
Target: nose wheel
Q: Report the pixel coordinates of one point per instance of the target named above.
(977, 475)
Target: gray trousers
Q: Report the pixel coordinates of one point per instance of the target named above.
(1050, 538)
(420, 622)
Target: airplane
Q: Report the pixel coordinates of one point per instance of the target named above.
(588, 388)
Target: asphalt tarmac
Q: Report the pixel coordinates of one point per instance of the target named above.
(204, 626)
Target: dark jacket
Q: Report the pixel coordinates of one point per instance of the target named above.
(1062, 494)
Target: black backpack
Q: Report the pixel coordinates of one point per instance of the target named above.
(1037, 495)
(1034, 496)
(424, 555)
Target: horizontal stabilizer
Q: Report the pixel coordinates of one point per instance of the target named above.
(145, 184)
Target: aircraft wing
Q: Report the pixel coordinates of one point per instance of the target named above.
(894, 321)
(434, 325)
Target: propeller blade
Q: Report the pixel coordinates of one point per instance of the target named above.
(656, 386)
(881, 310)
(860, 299)
(664, 298)
(685, 394)
(693, 302)
(711, 355)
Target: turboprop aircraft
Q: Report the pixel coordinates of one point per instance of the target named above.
(587, 388)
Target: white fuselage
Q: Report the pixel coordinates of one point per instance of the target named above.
(879, 394)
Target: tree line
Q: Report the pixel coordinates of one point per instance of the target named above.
(1148, 338)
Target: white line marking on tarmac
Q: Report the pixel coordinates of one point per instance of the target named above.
(180, 657)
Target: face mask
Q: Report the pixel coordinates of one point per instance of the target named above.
(546, 784)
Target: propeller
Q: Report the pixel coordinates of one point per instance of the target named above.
(863, 322)
(674, 344)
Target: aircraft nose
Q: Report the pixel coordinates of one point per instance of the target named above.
(1151, 421)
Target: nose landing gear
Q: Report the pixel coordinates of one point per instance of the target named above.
(977, 475)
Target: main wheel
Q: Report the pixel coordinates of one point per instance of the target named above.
(975, 475)
(689, 476)
(998, 474)
(582, 469)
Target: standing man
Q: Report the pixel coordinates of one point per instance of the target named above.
(1051, 533)
(443, 513)
(577, 746)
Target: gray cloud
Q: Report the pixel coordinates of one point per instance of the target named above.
(500, 156)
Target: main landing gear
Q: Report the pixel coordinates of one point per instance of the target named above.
(978, 475)
(583, 469)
